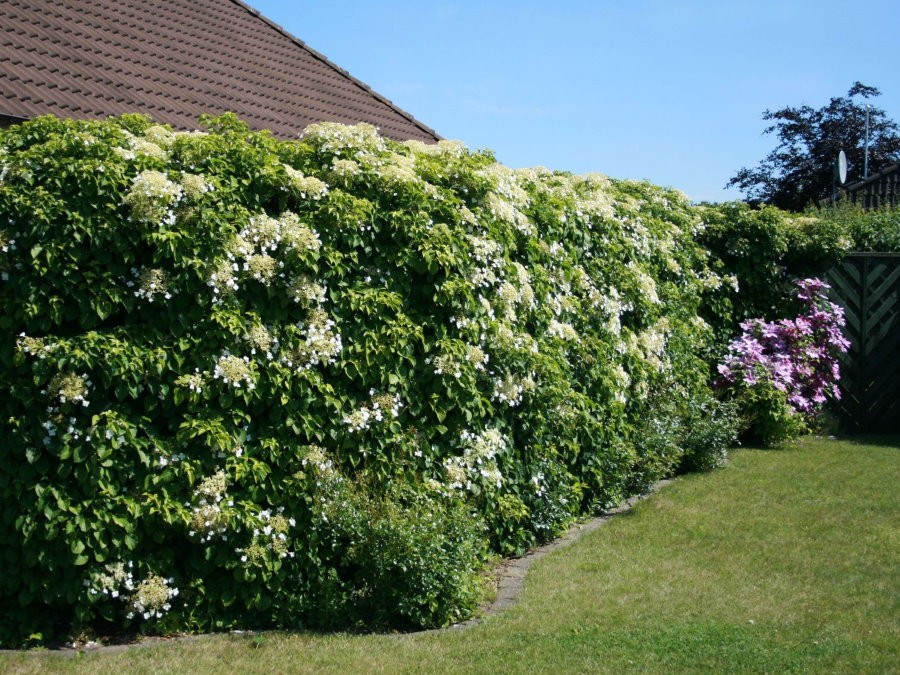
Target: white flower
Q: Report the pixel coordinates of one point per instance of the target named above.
(152, 195)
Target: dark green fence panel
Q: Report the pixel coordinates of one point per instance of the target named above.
(867, 286)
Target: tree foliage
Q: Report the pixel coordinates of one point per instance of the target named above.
(798, 172)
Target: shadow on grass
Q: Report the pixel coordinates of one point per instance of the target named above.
(878, 440)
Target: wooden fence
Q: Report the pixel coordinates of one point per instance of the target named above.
(867, 286)
(880, 190)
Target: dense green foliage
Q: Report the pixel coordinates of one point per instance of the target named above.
(246, 382)
(799, 171)
(760, 252)
(874, 230)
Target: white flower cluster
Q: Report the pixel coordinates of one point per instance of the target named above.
(563, 300)
(623, 382)
(344, 168)
(466, 216)
(153, 197)
(711, 281)
(398, 169)
(159, 135)
(155, 143)
(151, 283)
(540, 488)
(234, 370)
(637, 234)
(351, 142)
(307, 292)
(194, 186)
(50, 430)
(308, 187)
(613, 306)
(316, 458)
(140, 146)
(595, 201)
(222, 280)
(193, 382)
(208, 520)
(262, 341)
(526, 293)
(461, 322)
(489, 256)
(111, 580)
(445, 363)
(51, 427)
(262, 233)
(151, 597)
(508, 296)
(269, 537)
(321, 343)
(592, 296)
(257, 251)
(508, 197)
(650, 344)
(443, 148)
(262, 267)
(477, 357)
(35, 346)
(509, 340)
(510, 389)
(478, 462)
(506, 212)
(375, 410)
(646, 284)
(563, 331)
(557, 250)
(73, 431)
(70, 388)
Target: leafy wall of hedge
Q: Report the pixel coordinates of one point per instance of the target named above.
(760, 252)
(246, 382)
(872, 230)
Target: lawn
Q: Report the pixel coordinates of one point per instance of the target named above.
(783, 561)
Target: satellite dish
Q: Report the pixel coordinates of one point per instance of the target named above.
(840, 168)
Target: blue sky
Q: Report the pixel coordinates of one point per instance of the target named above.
(672, 92)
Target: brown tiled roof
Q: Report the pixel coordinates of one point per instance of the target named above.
(174, 60)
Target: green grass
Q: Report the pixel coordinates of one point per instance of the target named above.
(784, 561)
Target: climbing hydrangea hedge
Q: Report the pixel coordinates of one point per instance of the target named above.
(247, 382)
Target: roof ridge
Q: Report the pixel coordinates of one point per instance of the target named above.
(324, 59)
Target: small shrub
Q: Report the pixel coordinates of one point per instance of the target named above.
(711, 428)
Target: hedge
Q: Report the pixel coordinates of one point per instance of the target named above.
(254, 383)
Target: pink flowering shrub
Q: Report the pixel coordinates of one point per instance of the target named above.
(782, 372)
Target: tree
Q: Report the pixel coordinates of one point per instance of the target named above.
(799, 170)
